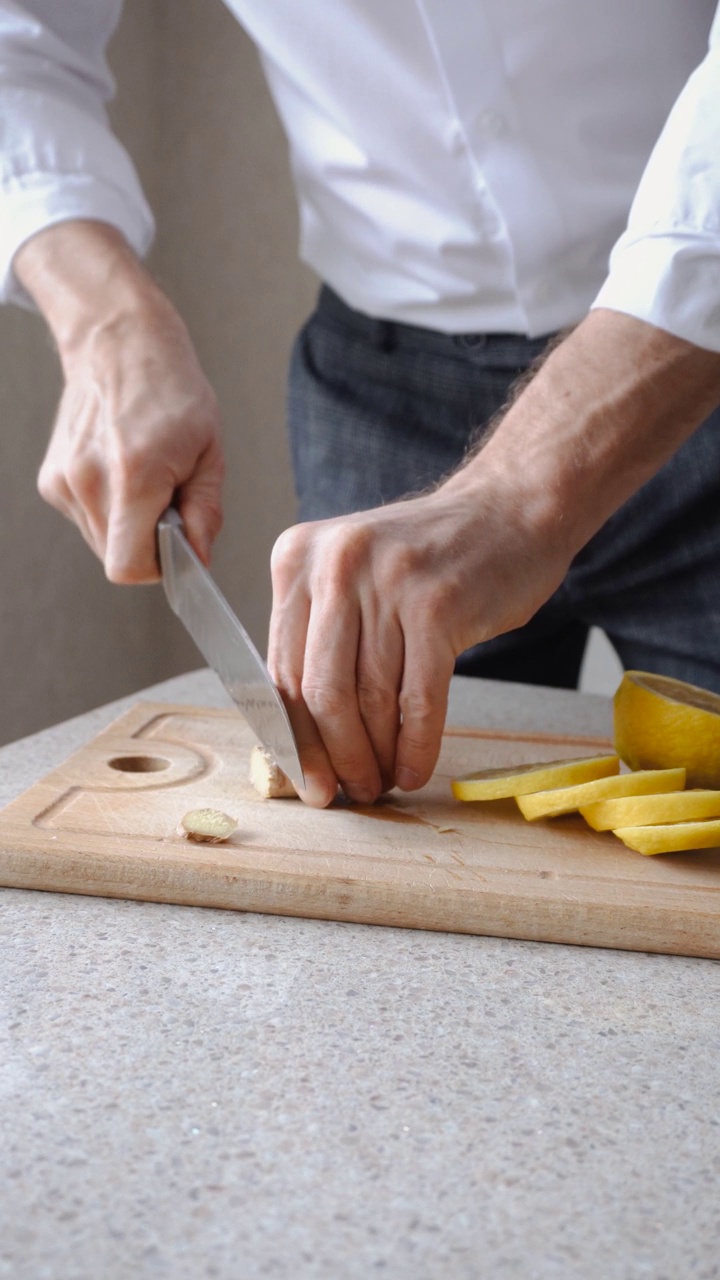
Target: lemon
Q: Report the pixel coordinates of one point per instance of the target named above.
(661, 723)
(549, 804)
(641, 811)
(520, 779)
(677, 837)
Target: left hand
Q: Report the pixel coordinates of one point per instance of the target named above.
(371, 610)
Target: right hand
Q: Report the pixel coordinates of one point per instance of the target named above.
(138, 425)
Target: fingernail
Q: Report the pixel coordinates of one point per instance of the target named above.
(406, 779)
(317, 795)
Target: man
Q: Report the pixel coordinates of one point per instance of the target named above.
(463, 171)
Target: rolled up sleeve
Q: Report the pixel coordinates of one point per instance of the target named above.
(58, 156)
(665, 268)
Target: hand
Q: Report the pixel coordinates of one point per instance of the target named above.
(371, 610)
(138, 425)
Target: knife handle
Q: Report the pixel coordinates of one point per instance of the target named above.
(169, 520)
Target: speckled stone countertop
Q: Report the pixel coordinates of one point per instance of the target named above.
(190, 1093)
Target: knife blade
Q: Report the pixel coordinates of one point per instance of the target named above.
(225, 644)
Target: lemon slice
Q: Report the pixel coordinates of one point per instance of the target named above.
(661, 723)
(520, 779)
(643, 811)
(548, 804)
(676, 837)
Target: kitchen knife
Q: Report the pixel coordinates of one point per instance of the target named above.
(225, 644)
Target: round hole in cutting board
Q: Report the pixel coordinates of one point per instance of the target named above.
(139, 764)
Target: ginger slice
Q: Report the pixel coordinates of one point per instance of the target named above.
(207, 826)
(268, 778)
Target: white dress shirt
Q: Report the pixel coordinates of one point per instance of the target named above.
(460, 164)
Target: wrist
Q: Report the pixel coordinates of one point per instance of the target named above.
(86, 281)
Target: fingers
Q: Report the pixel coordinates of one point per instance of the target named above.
(140, 493)
(314, 646)
(329, 692)
(378, 678)
(286, 649)
(345, 666)
(429, 665)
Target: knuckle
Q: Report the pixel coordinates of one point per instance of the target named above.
(375, 698)
(129, 467)
(325, 701)
(288, 552)
(345, 548)
(207, 406)
(405, 563)
(82, 476)
(198, 419)
(50, 484)
(418, 709)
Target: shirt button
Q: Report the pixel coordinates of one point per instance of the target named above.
(490, 123)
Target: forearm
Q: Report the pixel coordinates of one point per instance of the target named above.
(607, 409)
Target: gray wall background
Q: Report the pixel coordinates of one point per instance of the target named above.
(193, 109)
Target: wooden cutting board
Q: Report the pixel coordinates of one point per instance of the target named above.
(105, 823)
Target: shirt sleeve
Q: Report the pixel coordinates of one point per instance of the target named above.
(58, 156)
(665, 268)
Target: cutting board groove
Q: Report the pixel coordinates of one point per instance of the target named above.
(104, 823)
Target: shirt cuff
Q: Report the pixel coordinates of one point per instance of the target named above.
(671, 280)
(40, 200)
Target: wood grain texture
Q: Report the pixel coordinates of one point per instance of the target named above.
(105, 823)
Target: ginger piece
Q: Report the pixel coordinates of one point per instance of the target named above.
(207, 826)
(268, 778)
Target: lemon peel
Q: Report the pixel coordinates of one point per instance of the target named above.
(521, 779)
(675, 837)
(644, 811)
(550, 804)
(661, 722)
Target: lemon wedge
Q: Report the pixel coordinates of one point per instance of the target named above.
(676, 837)
(642, 811)
(549, 804)
(661, 723)
(520, 779)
